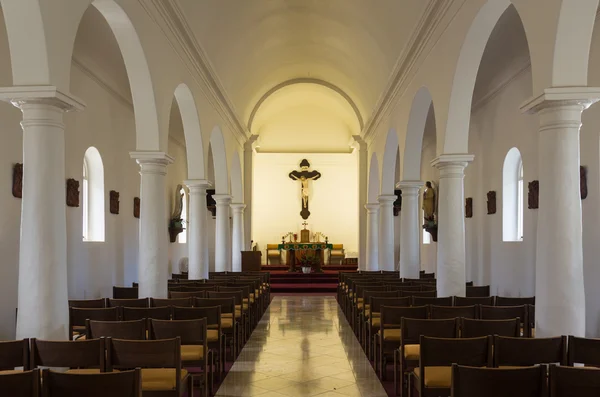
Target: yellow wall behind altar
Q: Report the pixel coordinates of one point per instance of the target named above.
(333, 203)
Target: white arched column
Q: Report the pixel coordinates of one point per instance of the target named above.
(559, 286)
(451, 255)
(222, 234)
(42, 300)
(237, 238)
(153, 246)
(386, 231)
(360, 147)
(410, 230)
(372, 236)
(197, 231)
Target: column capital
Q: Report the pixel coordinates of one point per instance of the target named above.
(372, 207)
(152, 162)
(49, 95)
(358, 143)
(553, 97)
(238, 207)
(251, 143)
(222, 199)
(409, 187)
(386, 199)
(197, 185)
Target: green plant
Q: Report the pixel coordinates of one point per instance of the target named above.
(176, 223)
(309, 260)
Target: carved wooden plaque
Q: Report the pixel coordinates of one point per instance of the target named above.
(72, 193)
(583, 182)
(533, 196)
(114, 202)
(491, 202)
(17, 186)
(469, 207)
(136, 207)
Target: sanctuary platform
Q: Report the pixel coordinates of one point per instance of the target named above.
(283, 281)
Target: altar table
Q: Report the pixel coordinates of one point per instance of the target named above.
(291, 249)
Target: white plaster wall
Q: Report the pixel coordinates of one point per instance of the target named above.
(333, 198)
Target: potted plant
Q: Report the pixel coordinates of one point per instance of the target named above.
(308, 262)
(175, 227)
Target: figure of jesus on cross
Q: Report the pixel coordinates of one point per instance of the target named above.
(304, 175)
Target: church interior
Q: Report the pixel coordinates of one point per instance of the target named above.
(299, 198)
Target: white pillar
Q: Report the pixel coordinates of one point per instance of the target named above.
(360, 146)
(237, 239)
(386, 231)
(451, 254)
(197, 229)
(410, 230)
(559, 286)
(153, 271)
(222, 234)
(42, 298)
(248, 185)
(372, 236)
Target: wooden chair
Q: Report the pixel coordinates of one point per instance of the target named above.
(571, 382)
(273, 254)
(478, 291)
(160, 361)
(507, 312)
(194, 343)
(422, 293)
(88, 303)
(583, 351)
(82, 356)
(425, 300)
(77, 317)
(247, 307)
(406, 358)
(130, 330)
(20, 384)
(470, 328)
(523, 352)
(125, 293)
(140, 313)
(433, 377)
(241, 314)
(358, 307)
(444, 312)
(230, 321)
(181, 302)
(387, 339)
(365, 313)
(337, 254)
(493, 382)
(373, 320)
(13, 354)
(473, 300)
(114, 384)
(510, 301)
(187, 294)
(141, 302)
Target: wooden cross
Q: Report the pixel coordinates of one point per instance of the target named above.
(304, 175)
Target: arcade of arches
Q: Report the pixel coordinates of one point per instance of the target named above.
(162, 102)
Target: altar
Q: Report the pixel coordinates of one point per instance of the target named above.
(314, 248)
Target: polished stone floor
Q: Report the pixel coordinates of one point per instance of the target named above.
(303, 346)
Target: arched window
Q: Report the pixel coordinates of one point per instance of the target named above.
(512, 196)
(93, 196)
(182, 237)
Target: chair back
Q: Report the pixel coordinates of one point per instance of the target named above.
(125, 293)
(194, 313)
(226, 294)
(20, 384)
(190, 332)
(376, 302)
(14, 353)
(141, 302)
(521, 352)
(88, 303)
(140, 313)
(584, 351)
(380, 294)
(186, 294)
(510, 301)
(492, 382)
(181, 302)
(227, 304)
(87, 353)
(410, 288)
(130, 330)
(478, 291)
(573, 381)
(113, 384)
(426, 300)
(441, 312)
(391, 316)
(77, 316)
(413, 328)
(428, 293)
(470, 328)
(165, 353)
(474, 352)
(473, 300)
(507, 312)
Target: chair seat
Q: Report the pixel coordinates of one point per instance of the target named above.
(435, 376)
(368, 313)
(391, 334)
(336, 253)
(160, 378)
(412, 352)
(192, 352)
(10, 371)
(376, 321)
(86, 371)
(212, 335)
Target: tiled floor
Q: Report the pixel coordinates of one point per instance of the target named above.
(303, 346)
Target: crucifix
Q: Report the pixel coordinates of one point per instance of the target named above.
(304, 175)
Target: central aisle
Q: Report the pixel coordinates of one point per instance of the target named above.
(303, 346)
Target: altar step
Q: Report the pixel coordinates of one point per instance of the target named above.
(283, 281)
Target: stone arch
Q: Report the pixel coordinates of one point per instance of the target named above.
(422, 102)
(388, 174)
(237, 189)
(456, 138)
(191, 130)
(219, 156)
(373, 186)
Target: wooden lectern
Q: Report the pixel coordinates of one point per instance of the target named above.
(251, 261)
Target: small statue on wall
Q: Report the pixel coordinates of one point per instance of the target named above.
(136, 207)
(491, 202)
(72, 193)
(533, 195)
(583, 182)
(114, 202)
(469, 207)
(398, 202)
(17, 187)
